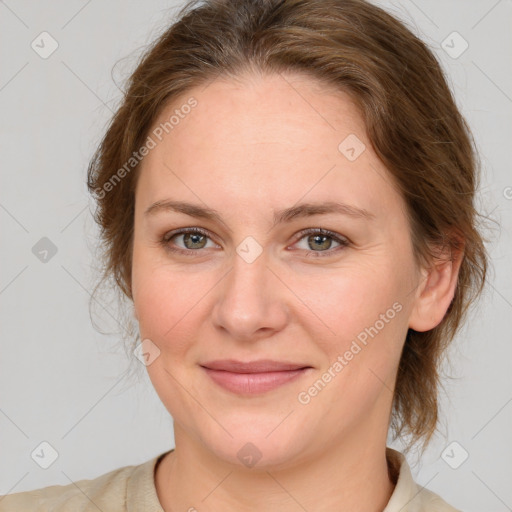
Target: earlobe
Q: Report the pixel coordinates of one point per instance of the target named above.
(436, 291)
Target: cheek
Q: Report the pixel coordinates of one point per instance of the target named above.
(168, 302)
(352, 301)
(344, 304)
(167, 307)
(366, 323)
(161, 305)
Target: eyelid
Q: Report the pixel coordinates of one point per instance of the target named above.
(342, 240)
(182, 231)
(166, 238)
(322, 231)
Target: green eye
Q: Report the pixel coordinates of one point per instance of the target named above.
(195, 239)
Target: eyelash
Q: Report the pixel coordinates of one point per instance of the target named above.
(314, 254)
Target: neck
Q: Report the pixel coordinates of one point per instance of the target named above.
(338, 478)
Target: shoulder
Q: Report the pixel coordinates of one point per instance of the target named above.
(106, 492)
(429, 501)
(408, 495)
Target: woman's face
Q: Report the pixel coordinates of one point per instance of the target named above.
(256, 285)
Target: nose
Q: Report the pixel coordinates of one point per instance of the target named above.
(251, 302)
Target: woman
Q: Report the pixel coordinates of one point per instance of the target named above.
(286, 195)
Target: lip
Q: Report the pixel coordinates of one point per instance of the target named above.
(253, 377)
(259, 366)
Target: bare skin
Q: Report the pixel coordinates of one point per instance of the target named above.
(247, 149)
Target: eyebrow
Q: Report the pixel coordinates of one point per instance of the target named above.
(281, 216)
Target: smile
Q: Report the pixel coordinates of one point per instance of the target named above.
(253, 383)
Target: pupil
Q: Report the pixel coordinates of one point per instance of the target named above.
(320, 239)
(194, 238)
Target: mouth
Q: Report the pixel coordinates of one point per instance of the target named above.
(253, 377)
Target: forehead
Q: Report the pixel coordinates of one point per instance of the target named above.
(269, 138)
(272, 109)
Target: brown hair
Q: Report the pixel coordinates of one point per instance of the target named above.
(412, 122)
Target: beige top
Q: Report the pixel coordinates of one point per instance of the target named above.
(132, 489)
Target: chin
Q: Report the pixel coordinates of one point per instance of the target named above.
(258, 448)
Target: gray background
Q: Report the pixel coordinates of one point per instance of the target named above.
(62, 382)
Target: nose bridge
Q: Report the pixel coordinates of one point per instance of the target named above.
(250, 299)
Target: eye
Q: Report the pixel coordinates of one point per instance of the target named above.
(192, 239)
(322, 239)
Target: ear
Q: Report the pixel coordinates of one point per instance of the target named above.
(436, 290)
